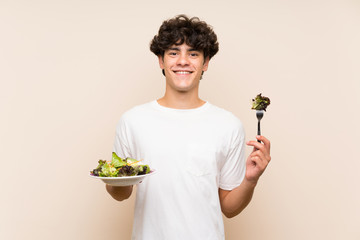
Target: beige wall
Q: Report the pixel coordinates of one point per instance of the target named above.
(69, 69)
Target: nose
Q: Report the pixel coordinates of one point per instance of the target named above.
(183, 60)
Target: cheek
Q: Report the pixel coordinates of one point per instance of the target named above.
(200, 66)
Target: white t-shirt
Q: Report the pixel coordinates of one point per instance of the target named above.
(194, 152)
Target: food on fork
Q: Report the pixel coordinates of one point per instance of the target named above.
(260, 102)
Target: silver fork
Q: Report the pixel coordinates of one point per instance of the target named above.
(259, 115)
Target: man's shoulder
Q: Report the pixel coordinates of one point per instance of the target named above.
(224, 115)
(135, 116)
(138, 110)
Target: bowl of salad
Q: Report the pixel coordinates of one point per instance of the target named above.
(121, 172)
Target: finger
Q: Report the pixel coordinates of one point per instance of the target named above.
(261, 148)
(256, 145)
(259, 163)
(265, 158)
(257, 153)
(264, 147)
(265, 141)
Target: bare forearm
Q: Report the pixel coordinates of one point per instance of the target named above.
(119, 193)
(234, 201)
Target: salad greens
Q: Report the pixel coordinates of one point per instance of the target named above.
(260, 102)
(119, 167)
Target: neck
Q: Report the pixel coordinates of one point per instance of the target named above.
(181, 100)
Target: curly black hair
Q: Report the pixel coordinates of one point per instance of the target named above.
(195, 33)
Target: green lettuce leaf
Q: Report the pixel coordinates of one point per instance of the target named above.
(108, 170)
(117, 161)
(260, 102)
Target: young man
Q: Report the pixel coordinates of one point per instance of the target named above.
(196, 148)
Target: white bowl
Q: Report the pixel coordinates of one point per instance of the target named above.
(124, 181)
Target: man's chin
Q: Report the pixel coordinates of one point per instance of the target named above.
(186, 88)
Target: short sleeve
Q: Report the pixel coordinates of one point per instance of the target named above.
(233, 171)
(121, 143)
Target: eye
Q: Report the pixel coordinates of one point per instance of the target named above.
(194, 54)
(172, 53)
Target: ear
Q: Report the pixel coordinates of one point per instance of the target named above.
(206, 64)
(161, 61)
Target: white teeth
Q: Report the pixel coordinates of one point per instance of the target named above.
(183, 72)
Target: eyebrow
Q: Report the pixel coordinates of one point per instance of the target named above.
(178, 49)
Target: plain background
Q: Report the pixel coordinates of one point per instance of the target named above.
(69, 69)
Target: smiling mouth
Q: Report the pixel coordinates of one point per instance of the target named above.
(183, 72)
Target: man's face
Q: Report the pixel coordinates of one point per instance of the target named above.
(183, 67)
